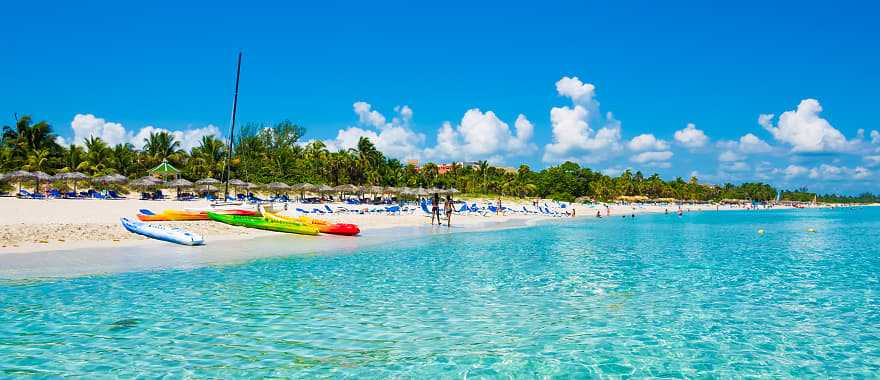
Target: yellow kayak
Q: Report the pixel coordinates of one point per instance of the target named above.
(322, 225)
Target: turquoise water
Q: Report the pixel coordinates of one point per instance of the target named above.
(701, 295)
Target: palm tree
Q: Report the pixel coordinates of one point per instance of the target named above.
(483, 169)
(97, 158)
(27, 137)
(160, 146)
(123, 159)
(207, 159)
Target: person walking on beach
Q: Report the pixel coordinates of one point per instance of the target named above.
(498, 210)
(449, 210)
(435, 209)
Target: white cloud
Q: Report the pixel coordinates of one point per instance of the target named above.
(794, 171)
(394, 139)
(655, 157)
(575, 89)
(647, 141)
(875, 137)
(804, 130)
(368, 116)
(691, 137)
(61, 141)
(737, 166)
(861, 173)
(573, 137)
(826, 172)
(738, 150)
(87, 125)
(751, 144)
(729, 156)
(483, 135)
(189, 138)
(873, 160)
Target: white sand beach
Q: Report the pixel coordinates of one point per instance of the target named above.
(54, 224)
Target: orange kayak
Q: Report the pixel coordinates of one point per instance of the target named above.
(186, 215)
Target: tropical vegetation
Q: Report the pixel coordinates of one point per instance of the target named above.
(276, 153)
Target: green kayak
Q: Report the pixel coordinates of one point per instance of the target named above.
(264, 224)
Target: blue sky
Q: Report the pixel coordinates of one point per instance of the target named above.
(123, 68)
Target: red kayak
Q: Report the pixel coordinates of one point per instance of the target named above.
(339, 229)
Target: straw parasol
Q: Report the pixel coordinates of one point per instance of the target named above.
(179, 183)
(144, 183)
(278, 187)
(19, 176)
(71, 176)
(237, 182)
(114, 178)
(41, 177)
(346, 188)
(251, 185)
(207, 181)
(420, 191)
(453, 191)
(325, 189)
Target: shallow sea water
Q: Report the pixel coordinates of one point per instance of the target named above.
(654, 296)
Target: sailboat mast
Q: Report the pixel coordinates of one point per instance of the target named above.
(232, 128)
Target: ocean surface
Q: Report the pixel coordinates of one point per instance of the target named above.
(655, 296)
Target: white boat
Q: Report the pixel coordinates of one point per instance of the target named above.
(162, 232)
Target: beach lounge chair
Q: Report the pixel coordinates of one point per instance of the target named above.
(329, 210)
(28, 195)
(113, 195)
(302, 211)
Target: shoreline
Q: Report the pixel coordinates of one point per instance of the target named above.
(230, 245)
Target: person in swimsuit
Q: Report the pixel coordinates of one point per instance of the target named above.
(435, 209)
(449, 210)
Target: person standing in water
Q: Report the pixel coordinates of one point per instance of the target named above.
(449, 210)
(435, 209)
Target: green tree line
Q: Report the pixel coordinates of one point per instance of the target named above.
(274, 152)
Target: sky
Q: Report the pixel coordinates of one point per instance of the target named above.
(779, 92)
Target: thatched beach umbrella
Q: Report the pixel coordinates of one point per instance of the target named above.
(113, 178)
(19, 176)
(144, 183)
(278, 187)
(71, 176)
(207, 181)
(345, 188)
(236, 184)
(41, 177)
(179, 183)
(325, 189)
